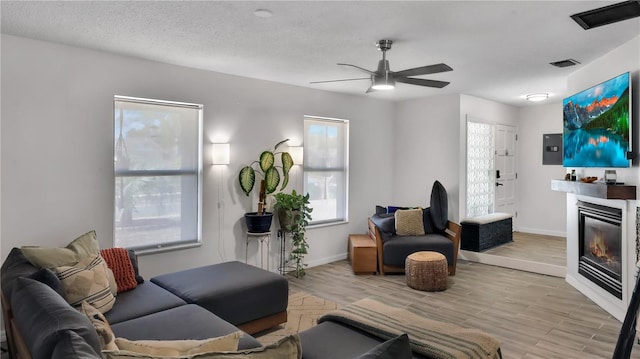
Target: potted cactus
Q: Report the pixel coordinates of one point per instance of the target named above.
(272, 176)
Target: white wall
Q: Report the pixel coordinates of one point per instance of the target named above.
(540, 209)
(57, 154)
(426, 149)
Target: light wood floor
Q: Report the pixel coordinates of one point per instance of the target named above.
(534, 247)
(534, 316)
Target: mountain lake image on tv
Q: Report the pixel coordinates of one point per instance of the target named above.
(596, 125)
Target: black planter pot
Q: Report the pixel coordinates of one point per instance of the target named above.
(257, 223)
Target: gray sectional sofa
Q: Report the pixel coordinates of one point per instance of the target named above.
(228, 296)
(199, 303)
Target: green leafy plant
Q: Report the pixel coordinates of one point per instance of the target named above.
(295, 212)
(271, 174)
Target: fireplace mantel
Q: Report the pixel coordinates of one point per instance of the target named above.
(598, 190)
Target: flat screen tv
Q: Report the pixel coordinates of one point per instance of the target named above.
(596, 125)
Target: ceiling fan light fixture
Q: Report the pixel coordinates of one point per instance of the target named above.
(537, 97)
(382, 83)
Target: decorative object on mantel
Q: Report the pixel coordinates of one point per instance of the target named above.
(610, 176)
(589, 179)
(598, 190)
(294, 214)
(260, 221)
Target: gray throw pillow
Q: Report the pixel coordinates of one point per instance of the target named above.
(396, 348)
(439, 206)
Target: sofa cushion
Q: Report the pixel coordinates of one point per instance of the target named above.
(427, 221)
(15, 266)
(46, 276)
(386, 226)
(87, 281)
(147, 298)
(408, 222)
(72, 346)
(44, 257)
(395, 348)
(42, 316)
(235, 291)
(134, 262)
(185, 322)
(397, 249)
(119, 262)
(439, 206)
(345, 342)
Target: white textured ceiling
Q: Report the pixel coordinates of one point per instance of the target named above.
(499, 50)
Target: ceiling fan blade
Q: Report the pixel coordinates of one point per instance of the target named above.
(424, 70)
(321, 82)
(421, 82)
(371, 89)
(359, 68)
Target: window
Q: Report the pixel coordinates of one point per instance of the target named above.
(157, 174)
(326, 168)
(480, 169)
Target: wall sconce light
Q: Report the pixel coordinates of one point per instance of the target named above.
(220, 153)
(297, 154)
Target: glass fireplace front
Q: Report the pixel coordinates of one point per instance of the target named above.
(601, 246)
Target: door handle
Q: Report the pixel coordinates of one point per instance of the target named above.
(499, 184)
(497, 173)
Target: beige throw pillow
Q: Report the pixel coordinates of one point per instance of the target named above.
(87, 281)
(44, 257)
(409, 222)
(173, 348)
(107, 339)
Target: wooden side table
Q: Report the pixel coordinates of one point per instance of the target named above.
(362, 254)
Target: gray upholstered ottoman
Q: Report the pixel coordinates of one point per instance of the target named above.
(251, 298)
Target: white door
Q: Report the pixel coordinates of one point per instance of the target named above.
(505, 164)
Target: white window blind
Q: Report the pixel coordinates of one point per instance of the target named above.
(326, 168)
(157, 174)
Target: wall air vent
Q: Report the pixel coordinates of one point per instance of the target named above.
(607, 14)
(565, 63)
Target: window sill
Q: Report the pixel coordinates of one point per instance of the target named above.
(142, 252)
(328, 224)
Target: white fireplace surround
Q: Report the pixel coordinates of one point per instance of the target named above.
(614, 306)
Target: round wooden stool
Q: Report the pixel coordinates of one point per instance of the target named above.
(426, 271)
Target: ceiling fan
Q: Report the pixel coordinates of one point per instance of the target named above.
(385, 79)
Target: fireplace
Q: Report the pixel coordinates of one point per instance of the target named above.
(600, 246)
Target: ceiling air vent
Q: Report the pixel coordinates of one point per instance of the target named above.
(608, 14)
(565, 63)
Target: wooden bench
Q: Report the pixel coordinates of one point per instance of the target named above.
(362, 254)
(485, 232)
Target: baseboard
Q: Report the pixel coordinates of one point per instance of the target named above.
(326, 260)
(543, 232)
(513, 263)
